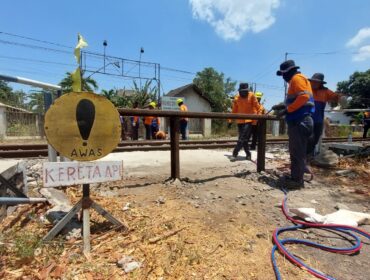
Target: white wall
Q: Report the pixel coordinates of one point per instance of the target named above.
(2, 122)
(338, 117)
(196, 103)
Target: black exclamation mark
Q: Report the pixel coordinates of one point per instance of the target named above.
(85, 116)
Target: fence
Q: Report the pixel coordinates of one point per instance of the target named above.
(175, 116)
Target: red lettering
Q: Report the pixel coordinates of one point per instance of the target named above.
(96, 171)
(70, 172)
(108, 172)
(79, 173)
(48, 174)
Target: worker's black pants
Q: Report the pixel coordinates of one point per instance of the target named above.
(317, 132)
(135, 132)
(148, 131)
(254, 136)
(366, 128)
(183, 126)
(244, 135)
(299, 133)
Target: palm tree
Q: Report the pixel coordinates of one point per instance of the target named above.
(88, 84)
(144, 95)
(36, 103)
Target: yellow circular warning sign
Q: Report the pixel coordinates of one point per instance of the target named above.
(83, 126)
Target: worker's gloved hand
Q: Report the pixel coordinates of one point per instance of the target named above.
(281, 113)
(229, 125)
(278, 107)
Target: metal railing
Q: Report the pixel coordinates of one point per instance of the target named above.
(175, 117)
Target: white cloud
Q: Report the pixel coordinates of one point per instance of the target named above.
(362, 54)
(362, 35)
(232, 18)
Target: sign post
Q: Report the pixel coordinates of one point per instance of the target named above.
(82, 127)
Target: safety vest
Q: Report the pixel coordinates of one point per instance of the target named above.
(298, 86)
(134, 120)
(306, 110)
(367, 116)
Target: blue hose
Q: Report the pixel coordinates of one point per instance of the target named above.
(280, 243)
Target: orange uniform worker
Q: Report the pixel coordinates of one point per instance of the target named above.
(366, 123)
(321, 95)
(135, 123)
(151, 123)
(244, 103)
(183, 121)
(298, 108)
(261, 111)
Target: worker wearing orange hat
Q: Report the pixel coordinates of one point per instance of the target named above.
(183, 121)
(261, 111)
(298, 109)
(321, 95)
(366, 121)
(151, 123)
(244, 103)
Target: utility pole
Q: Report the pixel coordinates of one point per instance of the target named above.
(105, 44)
(141, 52)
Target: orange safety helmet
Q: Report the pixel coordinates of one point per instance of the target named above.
(161, 135)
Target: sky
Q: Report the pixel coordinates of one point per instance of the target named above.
(245, 39)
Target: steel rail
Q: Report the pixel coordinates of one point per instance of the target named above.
(24, 147)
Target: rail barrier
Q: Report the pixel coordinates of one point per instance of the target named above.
(175, 117)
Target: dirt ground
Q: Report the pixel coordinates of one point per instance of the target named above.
(214, 224)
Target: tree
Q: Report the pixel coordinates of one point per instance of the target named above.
(118, 101)
(358, 87)
(145, 94)
(5, 91)
(88, 84)
(215, 88)
(36, 101)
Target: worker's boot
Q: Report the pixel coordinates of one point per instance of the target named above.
(249, 155)
(288, 183)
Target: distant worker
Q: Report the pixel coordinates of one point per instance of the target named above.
(366, 121)
(183, 121)
(151, 123)
(321, 95)
(298, 108)
(123, 128)
(244, 103)
(261, 111)
(134, 120)
(160, 135)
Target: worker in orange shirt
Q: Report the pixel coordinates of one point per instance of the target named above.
(151, 123)
(366, 121)
(135, 123)
(244, 103)
(261, 111)
(183, 121)
(321, 95)
(298, 110)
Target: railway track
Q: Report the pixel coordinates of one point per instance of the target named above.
(40, 150)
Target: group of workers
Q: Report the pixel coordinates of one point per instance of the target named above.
(303, 110)
(152, 124)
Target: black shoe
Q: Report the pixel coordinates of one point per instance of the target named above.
(249, 156)
(291, 184)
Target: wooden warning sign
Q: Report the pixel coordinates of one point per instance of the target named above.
(83, 126)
